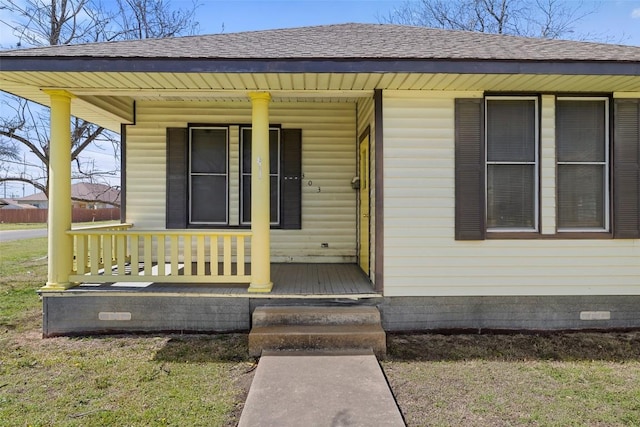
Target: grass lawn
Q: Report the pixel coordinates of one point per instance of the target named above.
(201, 380)
(22, 226)
(577, 379)
(178, 380)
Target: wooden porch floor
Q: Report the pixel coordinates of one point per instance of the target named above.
(289, 280)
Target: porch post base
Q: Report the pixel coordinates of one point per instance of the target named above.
(260, 288)
(57, 286)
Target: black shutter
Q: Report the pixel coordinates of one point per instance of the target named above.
(626, 169)
(177, 191)
(469, 172)
(291, 200)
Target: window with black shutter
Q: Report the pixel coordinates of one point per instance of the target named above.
(497, 176)
(198, 178)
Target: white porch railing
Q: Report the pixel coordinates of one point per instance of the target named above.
(121, 254)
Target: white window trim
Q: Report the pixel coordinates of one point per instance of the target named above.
(243, 174)
(536, 163)
(606, 163)
(226, 174)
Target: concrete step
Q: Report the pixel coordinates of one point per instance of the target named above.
(314, 328)
(314, 315)
(317, 337)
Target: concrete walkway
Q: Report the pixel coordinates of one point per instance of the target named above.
(319, 389)
(10, 235)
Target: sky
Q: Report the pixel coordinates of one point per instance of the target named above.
(616, 21)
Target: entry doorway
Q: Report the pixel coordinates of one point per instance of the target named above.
(364, 207)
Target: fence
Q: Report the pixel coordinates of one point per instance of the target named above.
(40, 215)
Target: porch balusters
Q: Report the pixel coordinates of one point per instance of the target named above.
(102, 255)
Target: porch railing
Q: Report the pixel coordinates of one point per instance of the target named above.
(121, 254)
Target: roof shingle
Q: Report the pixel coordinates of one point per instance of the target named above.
(346, 41)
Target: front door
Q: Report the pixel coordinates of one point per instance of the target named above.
(363, 234)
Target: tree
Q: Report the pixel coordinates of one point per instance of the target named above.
(539, 18)
(55, 22)
(8, 151)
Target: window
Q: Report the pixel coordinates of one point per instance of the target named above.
(511, 164)
(582, 155)
(208, 176)
(274, 175)
(199, 184)
(597, 181)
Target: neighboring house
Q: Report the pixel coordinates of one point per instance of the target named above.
(456, 180)
(13, 204)
(84, 195)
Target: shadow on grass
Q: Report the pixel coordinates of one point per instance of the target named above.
(205, 348)
(568, 346)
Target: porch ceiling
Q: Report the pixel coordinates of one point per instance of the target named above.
(107, 98)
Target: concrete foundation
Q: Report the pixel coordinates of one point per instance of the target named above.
(67, 313)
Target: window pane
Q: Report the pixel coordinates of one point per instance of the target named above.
(510, 196)
(209, 198)
(209, 151)
(274, 166)
(246, 150)
(273, 151)
(511, 131)
(274, 200)
(246, 199)
(581, 131)
(581, 196)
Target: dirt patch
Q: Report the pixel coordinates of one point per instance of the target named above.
(570, 346)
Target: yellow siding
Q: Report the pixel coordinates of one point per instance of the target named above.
(421, 256)
(328, 163)
(548, 165)
(234, 175)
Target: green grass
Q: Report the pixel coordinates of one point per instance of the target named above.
(22, 226)
(173, 380)
(23, 269)
(581, 379)
(122, 380)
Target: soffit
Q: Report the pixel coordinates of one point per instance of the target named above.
(141, 85)
(107, 98)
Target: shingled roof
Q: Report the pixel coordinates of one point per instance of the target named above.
(346, 42)
(84, 191)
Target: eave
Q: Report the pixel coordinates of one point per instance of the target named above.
(358, 65)
(107, 88)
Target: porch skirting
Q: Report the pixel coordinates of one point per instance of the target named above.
(74, 313)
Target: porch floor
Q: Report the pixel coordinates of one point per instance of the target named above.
(290, 280)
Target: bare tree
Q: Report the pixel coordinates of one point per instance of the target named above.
(55, 22)
(8, 150)
(144, 19)
(538, 18)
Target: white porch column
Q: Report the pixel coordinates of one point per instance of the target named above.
(260, 194)
(59, 219)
